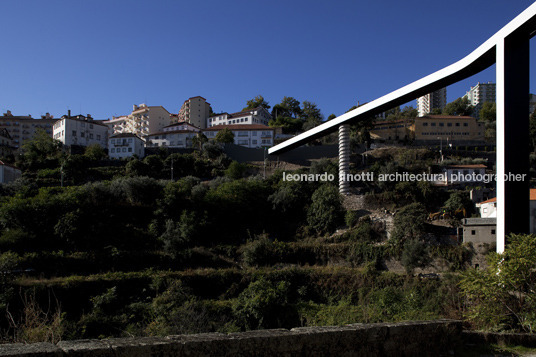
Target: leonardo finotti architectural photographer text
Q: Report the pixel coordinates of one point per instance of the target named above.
(402, 176)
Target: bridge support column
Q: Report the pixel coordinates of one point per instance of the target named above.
(513, 202)
(344, 158)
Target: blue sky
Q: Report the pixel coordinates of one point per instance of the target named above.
(100, 57)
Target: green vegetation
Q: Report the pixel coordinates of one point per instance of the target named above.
(183, 243)
(504, 295)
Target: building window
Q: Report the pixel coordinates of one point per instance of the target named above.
(457, 124)
(465, 124)
(98, 137)
(473, 232)
(433, 124)
(91, 126)
(74, 132)
(449, 124)
(112, 150)
(129, 149)
(91, 136)
(441, 124)
(82, 134)
(124, 149)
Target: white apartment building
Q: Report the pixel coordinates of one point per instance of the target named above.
(254, 116)
(143, 120)
(23, 128)
(125, 145)
(437, 99)
(247, 135)
(80, 130)
(479, 94)
(195, 111)
(171, 139)
(117, 125)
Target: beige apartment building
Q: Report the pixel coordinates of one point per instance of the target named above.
(195, 111)
(447, 128)
(143, 121)
(23, 128)
(391, 130)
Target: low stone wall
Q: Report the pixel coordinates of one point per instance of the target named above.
(415, 338)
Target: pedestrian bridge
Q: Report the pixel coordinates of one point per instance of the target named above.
(509, 50)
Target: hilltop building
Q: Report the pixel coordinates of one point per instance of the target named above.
(391, 130)
(479, 94)
(195, 111)
(143, 120)
(125, 145)
(246, 135)
(449, 129)
(177, 135)
(23, 128)
(80, 130)
(255, 116)
(434, 100)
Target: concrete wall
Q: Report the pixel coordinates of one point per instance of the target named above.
(415, 338)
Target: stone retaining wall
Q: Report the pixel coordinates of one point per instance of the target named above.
(415, 338)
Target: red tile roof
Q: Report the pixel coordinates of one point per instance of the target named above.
(494, 199)
(174, 132)
(239, 127)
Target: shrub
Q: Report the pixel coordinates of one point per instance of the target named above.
(264, 304)
(503, 296)
(325, 212)
(351, 218)
(414, 255)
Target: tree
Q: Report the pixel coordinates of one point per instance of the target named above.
(310, 115)
(409, 112)
(289, 107)
(325, 212)
(224, 136)
(256, 102)
(414, 255)
(199, 140)
(41, 152)
(331, 116)
(290, 125)
(503, 296)
(263, 304)
(310, 111)
(532, 131)
(488, 114)
(409, 223)
(457, 201)
(460, 106)
(95, 152)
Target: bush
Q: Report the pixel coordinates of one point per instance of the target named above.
(504, 295)
(263, 305)
(236, 170)
(325, 212)
(351, 218)
(414, 255)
